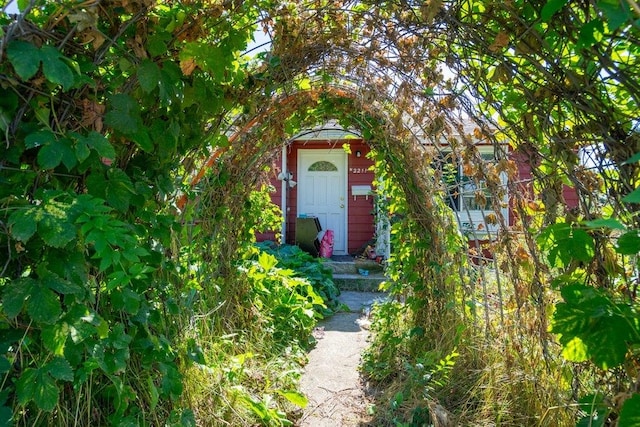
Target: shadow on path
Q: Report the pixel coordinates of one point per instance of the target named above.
(331, 380)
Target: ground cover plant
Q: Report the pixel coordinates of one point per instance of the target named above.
(135, 134)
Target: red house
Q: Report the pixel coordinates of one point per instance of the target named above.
(316, 177)
(326, 174)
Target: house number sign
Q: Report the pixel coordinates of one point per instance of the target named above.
(358, 170)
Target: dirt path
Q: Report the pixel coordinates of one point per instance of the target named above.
(331, 380)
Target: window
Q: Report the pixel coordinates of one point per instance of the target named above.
(468, 196)
(323, 166)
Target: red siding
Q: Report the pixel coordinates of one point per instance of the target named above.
(361, 226)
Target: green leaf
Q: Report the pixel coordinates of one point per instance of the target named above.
(124, 115)
(611, 223)
(50, 155)
(119, 189)
(23, 223)
(592, 326)
(550, 9)
(590, 33)
(55, 69)
(630, 412)
(629, 243)
(6, 417)
(37, 385)
(36, 139)
(5, 365)
(267, 261)
(617, 13)
(564, 243)
(54, 337)
(97, 142)
(148, 75)
(596, 409)
(633, 159)
(43, 305)
(295, 397)
(60, 369)
(14, 295)
(633, 197)
(24, 57)
(56, 231)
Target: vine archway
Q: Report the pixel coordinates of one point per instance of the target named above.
(108, 109)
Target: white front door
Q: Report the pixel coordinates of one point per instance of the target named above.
(322, 191)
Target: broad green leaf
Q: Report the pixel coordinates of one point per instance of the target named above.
(5, 365)
(143, 140)
(43, 305)
(23, 223)
(54, 337)
(14, 295)
(148, 75)
(550, 8)
(126, 299)
(54, 67)
(590, 33)
(36, 139)
(617, 13)
(119, 189)
(99, 143)
(37, 385)
(267, 261)
(596, 409)
(124, 115)
(50, 155)
(60, 369)
(591, 324)
(157, 42)
(629, 243)
(55, 231)
(564, 243)
(295, 397)
(60, 285)
(611, 223)
(630, 412)
(633, 197)
(633, 159)
(6, 417)
(24, 57)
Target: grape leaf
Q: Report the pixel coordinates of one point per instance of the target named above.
(15, 294)
(43, 305)
(550, 9)
(37, 385)
(148, 75)
(23, 223)
(55, 68)
(630, 412)
(60, 369)
(25, 58)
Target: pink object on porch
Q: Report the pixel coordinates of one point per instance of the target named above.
(326, 244)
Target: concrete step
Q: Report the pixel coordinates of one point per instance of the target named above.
(353, 265)
(358, 282)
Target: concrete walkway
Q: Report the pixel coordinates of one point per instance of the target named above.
(331, 380)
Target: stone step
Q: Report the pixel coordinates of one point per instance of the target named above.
(358, 282)
(353, 265)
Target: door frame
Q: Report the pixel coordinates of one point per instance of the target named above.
(320, 154)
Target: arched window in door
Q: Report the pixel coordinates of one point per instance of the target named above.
(323, 166)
